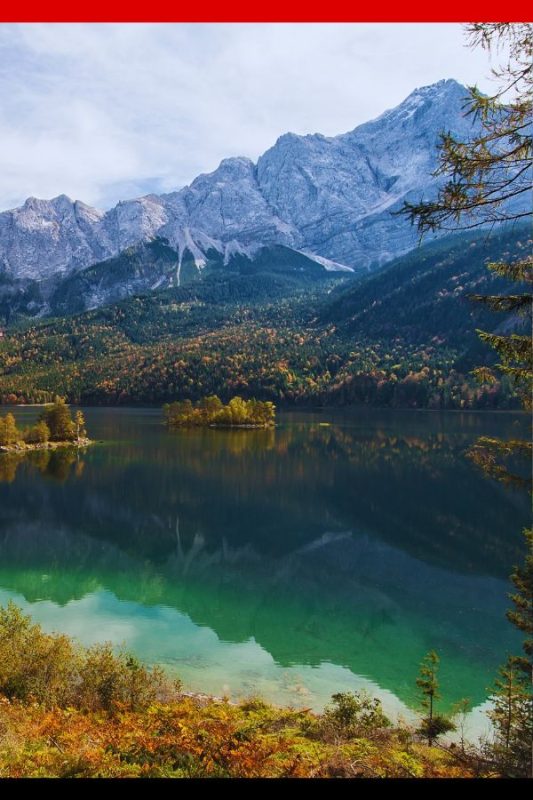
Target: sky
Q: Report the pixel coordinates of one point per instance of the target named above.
(106, 112)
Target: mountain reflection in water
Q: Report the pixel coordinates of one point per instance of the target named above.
(300, 560)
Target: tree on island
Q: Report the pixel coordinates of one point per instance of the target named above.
(59, 421)
(210, 406)
(211, 412)
(79, 422)
(37, 434)
(9, 434)
(55, 424)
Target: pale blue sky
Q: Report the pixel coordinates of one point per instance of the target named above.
(109, 112)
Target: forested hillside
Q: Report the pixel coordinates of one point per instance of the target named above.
(426, 294)
(404, 337)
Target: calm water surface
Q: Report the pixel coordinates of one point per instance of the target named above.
(327, 555)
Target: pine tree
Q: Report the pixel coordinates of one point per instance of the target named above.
(520, 747)
(433, 725)
(489, 182)
(493, 168)
(522, 614)
(512, 718)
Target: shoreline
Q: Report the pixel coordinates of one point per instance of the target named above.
(285, 409)
(156, 721)
(221, 427)
(23, 447)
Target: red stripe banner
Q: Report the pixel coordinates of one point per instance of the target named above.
(273, 11)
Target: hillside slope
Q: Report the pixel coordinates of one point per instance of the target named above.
(403, 337)
(425, 295)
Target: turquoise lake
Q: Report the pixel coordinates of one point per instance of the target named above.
(328, 554)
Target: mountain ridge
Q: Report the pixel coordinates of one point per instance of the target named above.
(328, 196)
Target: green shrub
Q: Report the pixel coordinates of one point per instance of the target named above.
(110, 680)
(352, 715)
(33, 664)
(52, 670)
(437, 726)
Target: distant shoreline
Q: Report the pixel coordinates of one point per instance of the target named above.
(287, 408)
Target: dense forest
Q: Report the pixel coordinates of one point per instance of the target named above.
(402, 337)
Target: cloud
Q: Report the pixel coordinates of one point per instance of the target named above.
(105, 112)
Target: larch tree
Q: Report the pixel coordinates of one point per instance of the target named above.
(9, 433)
(58, 418)
(79, 422)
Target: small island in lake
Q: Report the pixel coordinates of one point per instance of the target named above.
(210, 412)
(54, 428)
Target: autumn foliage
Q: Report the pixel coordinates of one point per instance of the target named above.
(211, 412)
(68, 711)
(55, 424)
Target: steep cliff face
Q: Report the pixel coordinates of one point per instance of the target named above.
(329, 196)
(339, 192)
(46, 237)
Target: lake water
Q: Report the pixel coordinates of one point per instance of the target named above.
(329, 554)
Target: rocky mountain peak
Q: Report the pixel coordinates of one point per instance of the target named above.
(329, 196)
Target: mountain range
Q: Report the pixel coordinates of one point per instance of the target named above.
(288, 280)
(328, 198)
